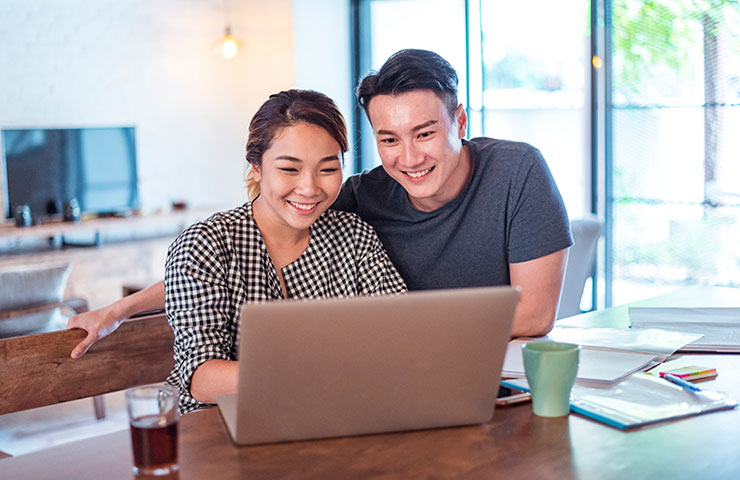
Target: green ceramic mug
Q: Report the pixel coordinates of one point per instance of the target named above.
(551, 370)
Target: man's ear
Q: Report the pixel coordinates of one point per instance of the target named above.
(462, 121)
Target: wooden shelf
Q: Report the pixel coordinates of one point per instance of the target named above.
(178, 219)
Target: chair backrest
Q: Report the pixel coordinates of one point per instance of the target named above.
(586, 233)
(25, 288)
(36, 370)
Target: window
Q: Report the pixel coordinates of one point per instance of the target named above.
(674, 207)
(535, 85)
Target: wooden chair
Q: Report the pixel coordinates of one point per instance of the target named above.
(36, 370)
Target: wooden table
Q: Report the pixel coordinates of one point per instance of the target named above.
(515, 444)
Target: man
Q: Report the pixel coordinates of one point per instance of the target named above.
(450, 212)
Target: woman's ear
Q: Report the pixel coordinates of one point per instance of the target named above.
(256, 173)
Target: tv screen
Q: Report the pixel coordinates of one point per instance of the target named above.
(47, 168)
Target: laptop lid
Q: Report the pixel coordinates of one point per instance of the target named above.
(349, 366)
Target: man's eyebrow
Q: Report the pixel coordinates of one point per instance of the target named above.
(424, 125)
(421, 126)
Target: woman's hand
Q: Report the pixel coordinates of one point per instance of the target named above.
(103, 321)
(97, 323)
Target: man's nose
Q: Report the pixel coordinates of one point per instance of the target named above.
(412, 156)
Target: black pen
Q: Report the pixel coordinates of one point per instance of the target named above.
(681, 382)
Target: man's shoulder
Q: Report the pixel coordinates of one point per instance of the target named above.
(371, 187)
(368, 178)
(498, 147)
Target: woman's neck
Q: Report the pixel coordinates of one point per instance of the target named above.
(284, 243)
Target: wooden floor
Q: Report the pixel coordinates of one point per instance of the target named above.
(33, 430)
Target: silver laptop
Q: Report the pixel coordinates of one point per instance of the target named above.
(350, 366)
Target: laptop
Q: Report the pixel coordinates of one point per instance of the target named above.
(362, 365)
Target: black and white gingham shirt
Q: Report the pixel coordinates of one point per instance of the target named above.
(217, 265)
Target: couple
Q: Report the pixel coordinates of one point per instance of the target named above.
(450, 212)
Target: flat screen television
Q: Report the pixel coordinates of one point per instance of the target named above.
(47, 168)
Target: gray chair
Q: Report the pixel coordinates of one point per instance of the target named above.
(586, 233)
(31, 298)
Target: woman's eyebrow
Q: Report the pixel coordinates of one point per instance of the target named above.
(291, 158)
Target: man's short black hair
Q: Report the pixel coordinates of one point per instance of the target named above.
(408, 70)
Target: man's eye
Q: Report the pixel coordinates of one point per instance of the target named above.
(388, 141)
(425, 134)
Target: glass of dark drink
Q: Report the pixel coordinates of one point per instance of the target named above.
(152, 411)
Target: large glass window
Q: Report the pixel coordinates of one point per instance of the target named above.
(536, 86)
(675, 203)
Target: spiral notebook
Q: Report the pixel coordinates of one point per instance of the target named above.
(641, 399)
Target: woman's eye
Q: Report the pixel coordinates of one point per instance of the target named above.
(288, 170)
(329, 170)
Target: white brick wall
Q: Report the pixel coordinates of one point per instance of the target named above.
(151, 64)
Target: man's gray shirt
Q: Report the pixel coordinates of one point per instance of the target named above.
(511, 211)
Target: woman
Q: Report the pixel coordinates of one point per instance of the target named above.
(283, 243)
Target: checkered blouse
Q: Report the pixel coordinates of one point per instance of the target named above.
(217, 265)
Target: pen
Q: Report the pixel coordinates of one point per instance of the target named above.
(681, 383)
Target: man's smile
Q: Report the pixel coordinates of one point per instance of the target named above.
(419, 174)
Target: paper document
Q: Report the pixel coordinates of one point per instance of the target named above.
(719, 327)
(597, 366)
(652, 340)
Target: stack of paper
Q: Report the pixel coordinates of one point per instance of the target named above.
(650, 340)
(719, 327)
(596, 366)
(608, 355)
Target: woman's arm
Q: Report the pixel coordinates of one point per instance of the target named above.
(202, 300)
(103, 321)
(214, 378)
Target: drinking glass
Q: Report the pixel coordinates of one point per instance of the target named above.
(153, 414)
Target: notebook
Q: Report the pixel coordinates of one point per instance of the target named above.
(641, 399)
(361, 365)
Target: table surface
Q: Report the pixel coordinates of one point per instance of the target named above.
(515, 443)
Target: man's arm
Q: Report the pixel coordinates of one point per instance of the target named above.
(540, 281)
(104, 321)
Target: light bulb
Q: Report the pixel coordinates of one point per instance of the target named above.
(229, 46)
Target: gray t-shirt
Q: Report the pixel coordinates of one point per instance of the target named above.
(511, 211)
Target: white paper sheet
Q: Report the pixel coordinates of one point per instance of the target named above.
(595, 365)
(650, 340)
